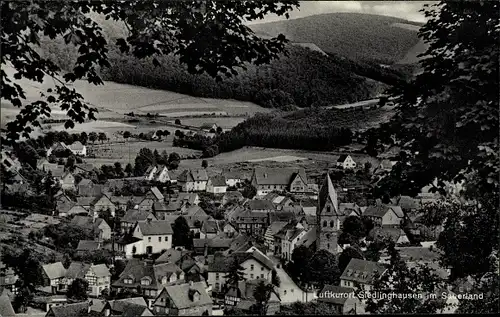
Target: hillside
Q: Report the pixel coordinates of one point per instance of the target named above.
(381, 39)
(303, 78)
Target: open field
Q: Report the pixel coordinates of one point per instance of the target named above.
(96, 126)
(108, 153)
(282, 158)
(225, 123)
(254, 156)
(113, 100)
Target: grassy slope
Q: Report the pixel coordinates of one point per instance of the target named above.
(353, 35)
(293, 75)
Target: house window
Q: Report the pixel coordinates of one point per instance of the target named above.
(331, 224)
(251, 267)
(149, 239)
(262, 268)
(216, 276)
(166, 238)
(251, 275)
(328, 245)
(262, 275)
(284, 292)
(328, 209)
(324, 223)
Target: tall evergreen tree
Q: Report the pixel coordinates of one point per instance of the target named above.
(236, 273)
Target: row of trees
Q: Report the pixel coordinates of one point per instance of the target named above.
(270, 130)
(146, 158)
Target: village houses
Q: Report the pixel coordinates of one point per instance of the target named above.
(266, 180)
(157, 173)
(190, 299)
(361, 272)
(216, 184)
(255, 265)
(98, 276)
(346, 162)
(156, 236)
(193, 180)
(150, 278)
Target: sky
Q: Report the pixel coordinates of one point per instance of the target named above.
(408, 10)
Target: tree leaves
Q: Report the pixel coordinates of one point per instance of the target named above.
(210, 38)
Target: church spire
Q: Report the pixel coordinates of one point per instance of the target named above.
(327, 192)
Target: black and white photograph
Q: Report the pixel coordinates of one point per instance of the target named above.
(249, 158)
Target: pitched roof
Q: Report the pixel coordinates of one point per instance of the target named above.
(342, 158)
(188, 197)
(347, 208)
(54, 270)
(387, 232)
(232, 174)
(260, 204)
(181, 295)
(134, 310)
(100, 270)
(56, 170)
(120, 305)
(193, 175)
(380, 210)
(88, 245)
(275, 227)
(158, 227)
(328, 193)
(76, 146)
(326, 295)
(85, 182)
(362, 271)
(134, 215)
(88, 222)
(167, 206)
(140, 269)
(85, 201)
(218, 181)
(209, 226)
(6, 309)
(218, 243)
(86, 167)
(74, 310)
(172, 255)
(308, 239)
(223, 264)
(77, 270)
(157, 193)
(277, 176)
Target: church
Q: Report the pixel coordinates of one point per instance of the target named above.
(329, 218)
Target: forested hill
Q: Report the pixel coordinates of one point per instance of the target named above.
(303, 78)
(357, 36)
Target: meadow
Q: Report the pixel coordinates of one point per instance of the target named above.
(113, 100)
(258, 156)
(119, 150)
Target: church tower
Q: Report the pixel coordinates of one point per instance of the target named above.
(328, 218)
